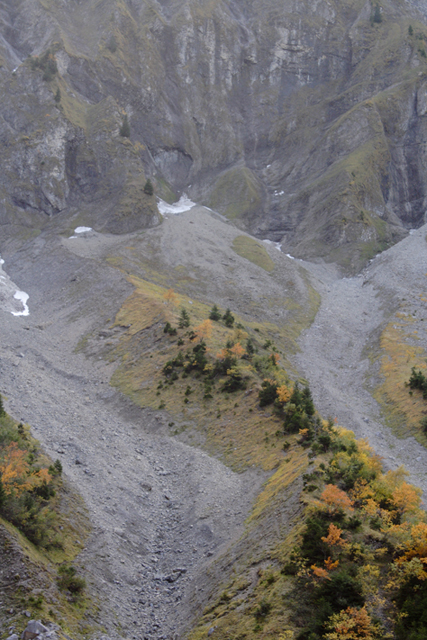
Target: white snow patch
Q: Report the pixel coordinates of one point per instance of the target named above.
(183, 204)
(22, 297)
(82, 229)
(275, 244)
(10, 294)
(288, 255)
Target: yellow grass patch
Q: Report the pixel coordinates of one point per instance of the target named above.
(403, 410)
(289, 470)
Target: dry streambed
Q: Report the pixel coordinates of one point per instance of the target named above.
(336, 349)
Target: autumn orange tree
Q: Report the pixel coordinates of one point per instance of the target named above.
(333, 498)
(26, 485)
(15, 471)
(351, 624)
(341, 554)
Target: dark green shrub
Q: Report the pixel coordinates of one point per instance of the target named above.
(228, 318)
(268, 393)
(295, 419)
(125, 128)
(410, 30)
(46, 63)
(411, 601)
(148, 187)
(44, 491)
(353, 523)
(68, 580)
(234, 382)
(215, 314)
(184, 319)
(312, 546)
(169, 329)
(418, 381)
(262, 610)
(377, 17)
(250, 347)
(324, 439)
(58, 95)
(2, 495)
(112, 44)
(2, 411)
(307, 401)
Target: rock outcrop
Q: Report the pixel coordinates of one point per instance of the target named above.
(302, 122)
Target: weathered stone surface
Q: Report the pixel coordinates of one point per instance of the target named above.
(303, 123)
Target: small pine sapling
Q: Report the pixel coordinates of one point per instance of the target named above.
(184, 319)
(215, 314)
(148, 188)
(228, 318)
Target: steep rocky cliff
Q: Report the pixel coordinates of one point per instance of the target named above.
(302, 122)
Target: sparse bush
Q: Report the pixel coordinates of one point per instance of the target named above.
(377, 16)
(58, 95)
(2, 411)
(250, 347)
(125, 128)
(112, 44)
(169, 329)
(262, 610)
(46, 63)
(68, 580)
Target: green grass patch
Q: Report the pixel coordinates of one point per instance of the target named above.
(253, 251)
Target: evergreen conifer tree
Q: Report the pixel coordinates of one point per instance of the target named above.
(148, 188)
(215, 314)
(228, 318)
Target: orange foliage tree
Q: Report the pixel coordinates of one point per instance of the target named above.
(204, 330)
(284, 393)
(334, 499)
(171, 297)
(334, 537)
(15, 471)
(406, 498)
(350, 624)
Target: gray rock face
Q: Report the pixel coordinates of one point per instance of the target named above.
(36, 630)
(302, 122)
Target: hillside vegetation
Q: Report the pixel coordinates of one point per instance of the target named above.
(333, 545)
(43, 527)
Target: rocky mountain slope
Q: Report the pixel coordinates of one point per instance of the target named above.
(167, 519)
(302, 122)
